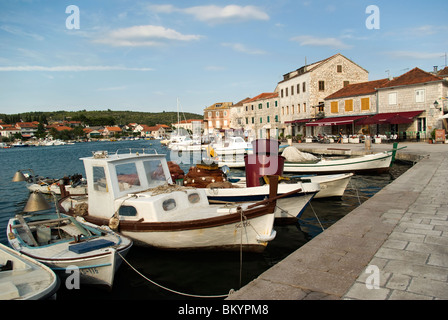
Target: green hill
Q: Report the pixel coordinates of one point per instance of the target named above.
(101, 117)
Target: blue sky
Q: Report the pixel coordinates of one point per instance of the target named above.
(143, 55)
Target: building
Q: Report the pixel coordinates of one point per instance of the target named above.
(217, 117)
(261, 116)
(195, 126)
(111, 131)
(409, 106)
(302, 91)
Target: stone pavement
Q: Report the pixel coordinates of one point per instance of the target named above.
(393, 246)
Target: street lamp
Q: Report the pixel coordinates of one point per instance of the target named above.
(436, 105)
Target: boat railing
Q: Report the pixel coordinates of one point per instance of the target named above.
(123, 151)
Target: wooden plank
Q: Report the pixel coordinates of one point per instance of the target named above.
(27, 230)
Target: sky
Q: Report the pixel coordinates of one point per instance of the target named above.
(155, 56)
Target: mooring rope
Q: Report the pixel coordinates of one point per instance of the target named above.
(171, 290)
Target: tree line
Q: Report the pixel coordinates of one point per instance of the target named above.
(100, 118)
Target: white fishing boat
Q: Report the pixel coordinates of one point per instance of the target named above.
(74, 184)
(135, 191)
(23, 278)
(64, 243)
(378, 162)
(332, 185)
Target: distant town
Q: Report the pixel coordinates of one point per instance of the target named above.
(328, 97)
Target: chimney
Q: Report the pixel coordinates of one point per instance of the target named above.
(435, 69)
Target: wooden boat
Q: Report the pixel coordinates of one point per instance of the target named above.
(220, 190)
(332, 185)
(61, 242)
(23, 278)
(73, 184)
(378, 162)
(135, 191)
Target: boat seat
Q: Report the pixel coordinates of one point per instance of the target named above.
(8, 291)
(71, 229)
(84, 247)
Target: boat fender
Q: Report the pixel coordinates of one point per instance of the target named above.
(114, 222)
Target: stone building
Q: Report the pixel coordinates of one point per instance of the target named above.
(217, 117)
(302, 91)
(261, 116)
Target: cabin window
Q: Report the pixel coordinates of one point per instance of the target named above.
(99, 179)
(169, 205)
(154, 172)
(194, 198)
(127, 211)
(127, 176)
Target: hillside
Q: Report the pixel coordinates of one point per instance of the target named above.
(97, 118)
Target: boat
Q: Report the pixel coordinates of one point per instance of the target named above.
(74, 184)
(23, 278)
(219, 189)
(232, 150)
(377, 162)
(66, 243)
(135, 191)
(332, 185)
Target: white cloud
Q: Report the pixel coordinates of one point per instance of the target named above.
(215, 14)
(144, 36)
(230, 13)
(321, 42)
(72, 68)
(239, 47)
(19, 32)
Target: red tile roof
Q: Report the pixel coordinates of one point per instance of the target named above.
(357, 89)
(414, 76)
(263, 96)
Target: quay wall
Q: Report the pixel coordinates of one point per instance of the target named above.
(381, 232)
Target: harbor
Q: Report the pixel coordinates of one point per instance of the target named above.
(183, 272)
(393, 246)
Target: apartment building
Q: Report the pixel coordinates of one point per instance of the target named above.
(261, 116)
(217, 117)
(302, 91)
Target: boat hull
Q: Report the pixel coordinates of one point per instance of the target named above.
(379, 162)
(96, 267)
(27, 279)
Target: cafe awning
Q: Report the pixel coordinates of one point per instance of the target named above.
(391, 118)
(334, 121)
(298, 121)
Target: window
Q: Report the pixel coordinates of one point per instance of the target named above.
(268, 119)
(286, 91)
(267, 105)
(194, 198)
(217, 113)
(225, 113)
(339, 68)
(247, 120)
(276, 118)
(282, 93)
(365, 104)
(99, 179)
(421, 124)
(276, 103)
(292, 90)
(298, 88)
(348, 105)
(392, 98)
(287, 109)
(169, 205)
(261, 120)
(334, 107)
(209, 114)
(127, 211)
(127, 176)
(252, 107)
(420, 95)
(321, 85)
(253, 120)
(304, 87)
(260, 106)
(298, 108)
(304, 107)
(292, 109)
(225, 123)
(346, 83)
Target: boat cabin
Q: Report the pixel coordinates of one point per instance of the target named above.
(114, 176)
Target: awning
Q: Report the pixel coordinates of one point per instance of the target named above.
(334, 121)
(391, 118)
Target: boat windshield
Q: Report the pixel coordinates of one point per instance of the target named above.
(127, 177)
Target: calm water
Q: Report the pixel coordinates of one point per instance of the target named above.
(198, 273)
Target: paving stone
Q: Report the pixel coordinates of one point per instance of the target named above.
(428, 287)
(360, 291)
